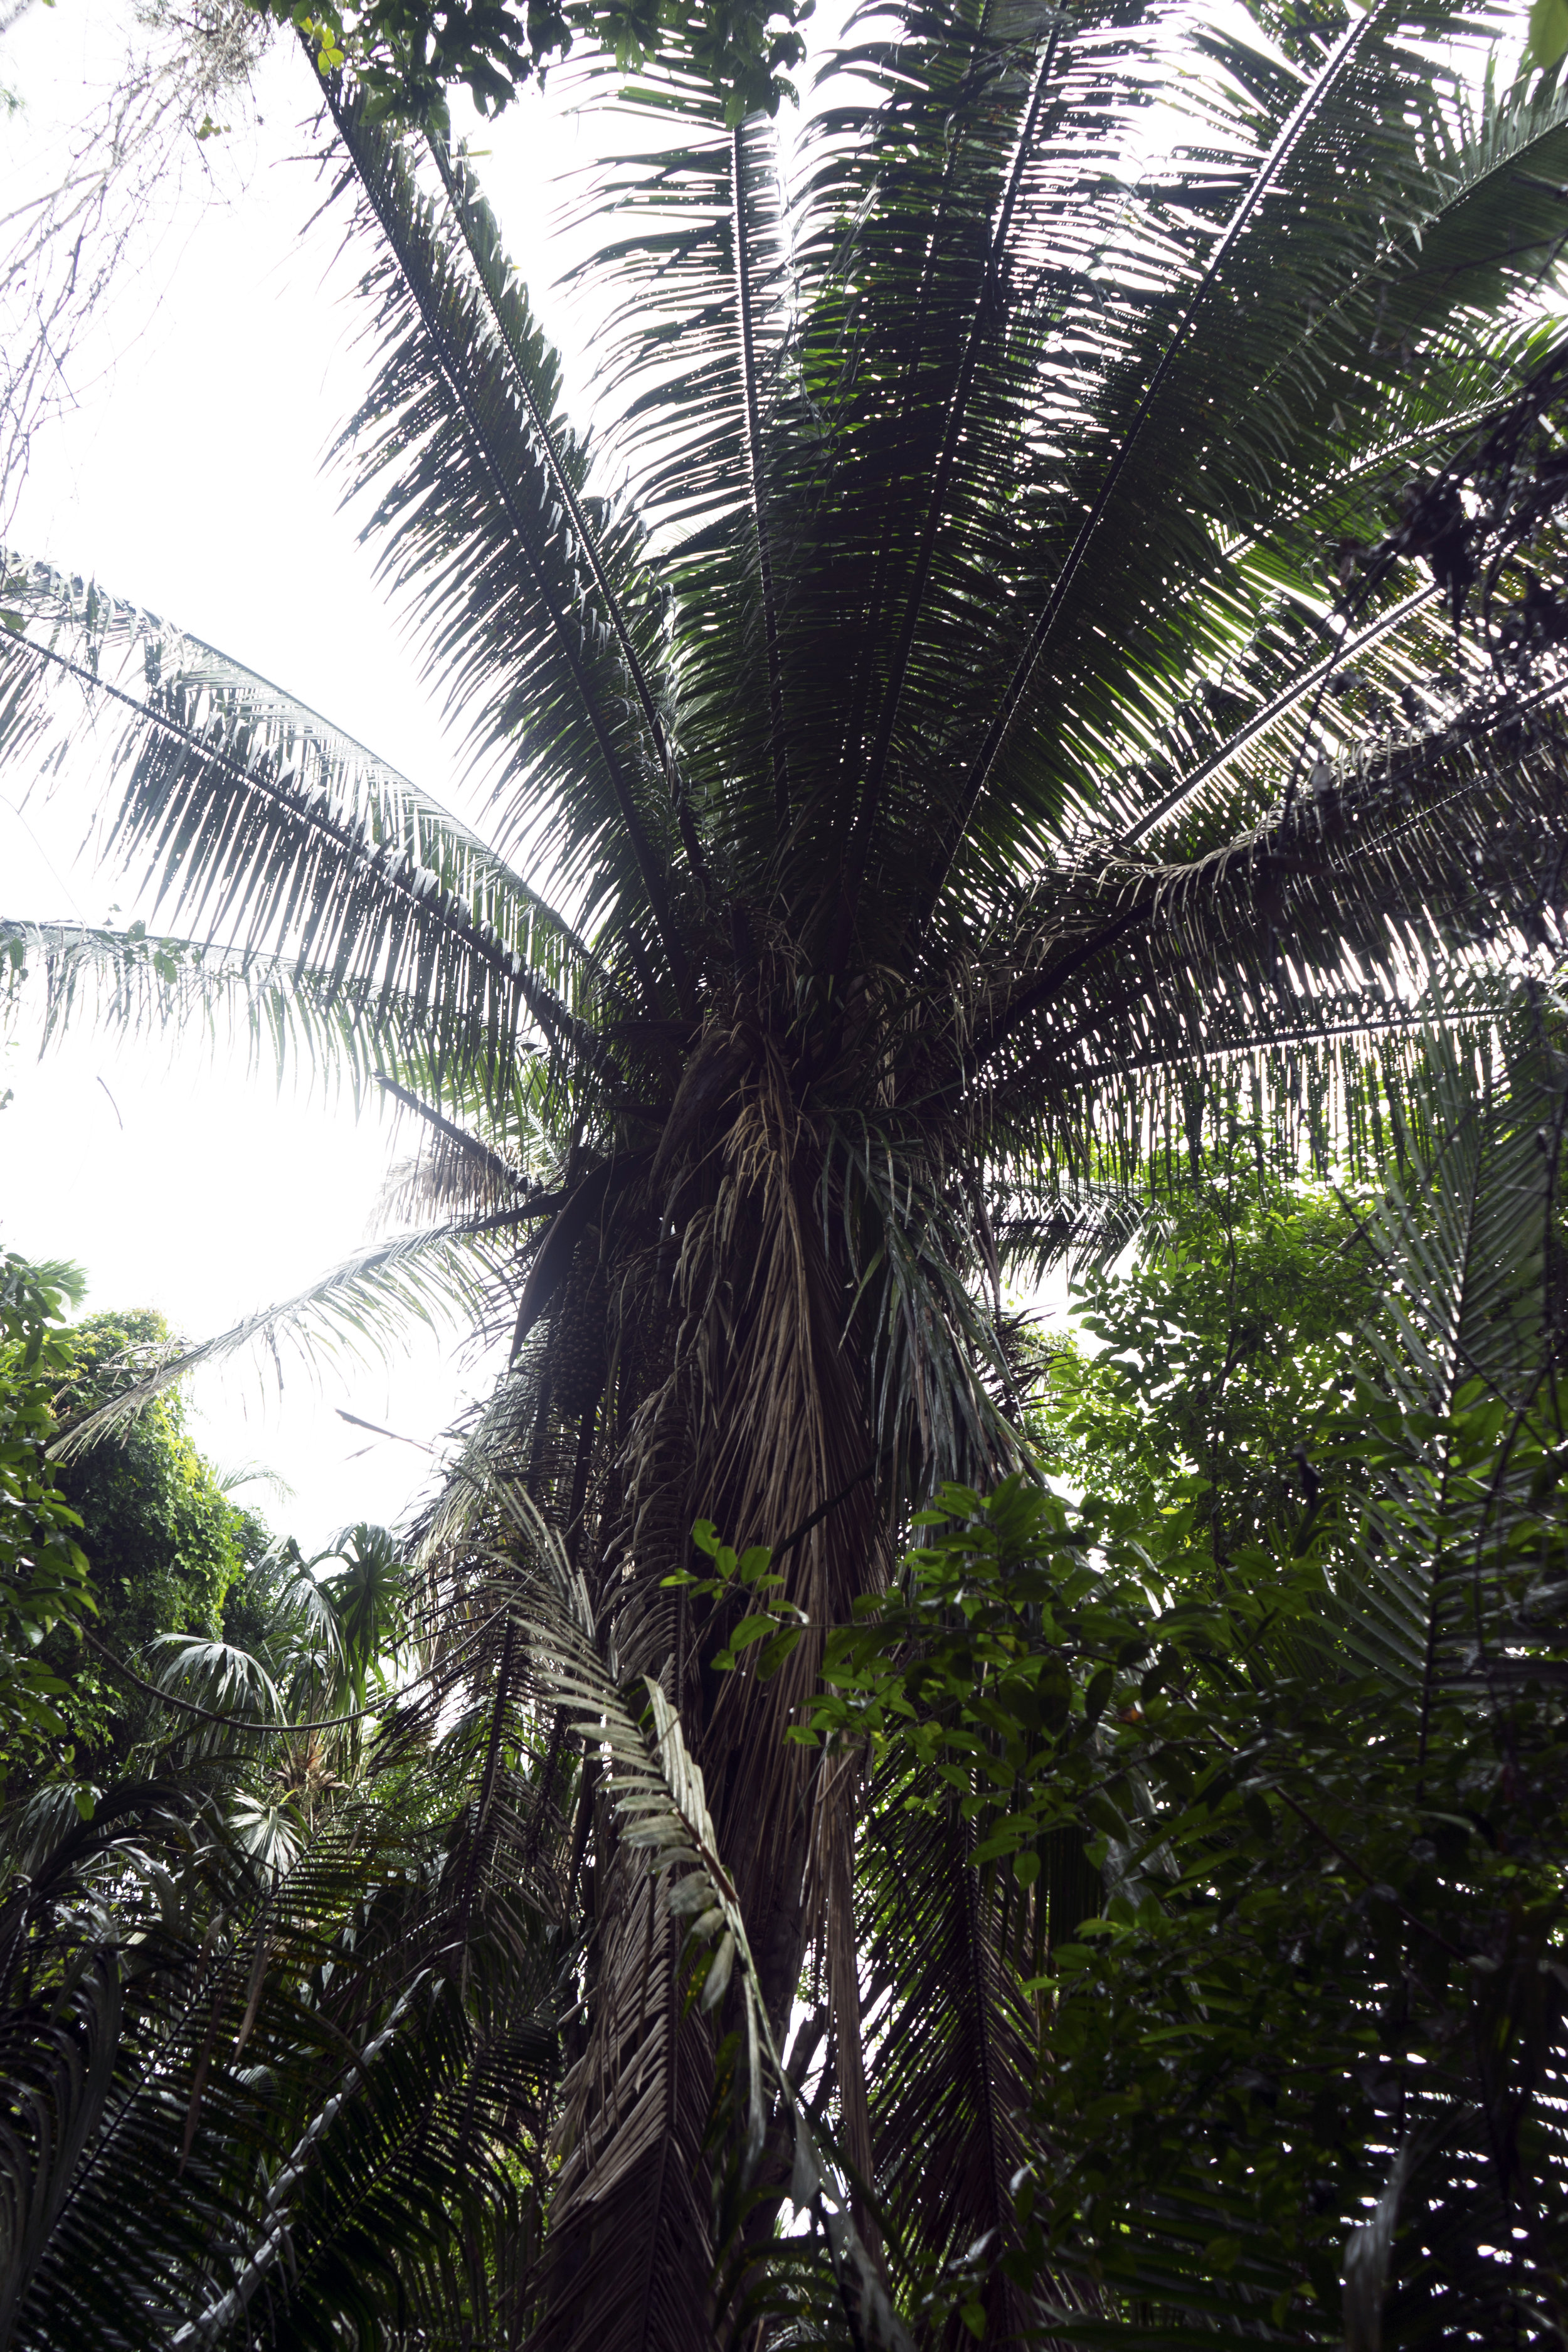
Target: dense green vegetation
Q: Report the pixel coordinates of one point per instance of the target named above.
(1296, 1763)
(166, 1546)
(1033, 710)
(1208, 1360)
(110, 1552)
(406, 55)
(43, 1571)
(1264, 1791)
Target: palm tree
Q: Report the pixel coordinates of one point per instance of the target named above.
(976, 712)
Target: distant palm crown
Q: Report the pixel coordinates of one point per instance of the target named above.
(1004, 719)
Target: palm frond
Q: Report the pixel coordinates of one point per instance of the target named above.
(667, 1839)
(481, 236)
(743, 198)
(332, 2054)
(1282, 427)
(454, 1168)
(950, 2043)
(1322, 923)
(695, 270)
(1466, 1341)
(442, 1274)
(509, 601)
(242, 795)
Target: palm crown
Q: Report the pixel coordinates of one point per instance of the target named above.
(996, 719)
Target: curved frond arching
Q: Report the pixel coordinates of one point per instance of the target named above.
(508, 592)
(268, 824)
(444, 1274)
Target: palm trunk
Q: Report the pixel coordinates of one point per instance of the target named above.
(737, 1401)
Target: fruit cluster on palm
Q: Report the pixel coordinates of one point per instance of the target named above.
(1045, 643)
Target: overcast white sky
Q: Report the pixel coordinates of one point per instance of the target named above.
(188, 478)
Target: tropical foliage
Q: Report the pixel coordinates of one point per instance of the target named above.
(44, 1583)
(1271, 1831)
(1210, 1353)
(187, 2067)
(407, 53)
(975, 730)
(1256, 1842)
(110, 1552)
(168, 1548)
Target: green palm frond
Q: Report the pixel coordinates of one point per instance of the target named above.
(453, 1168)
(533, 380)
(950, 2043)
(1393, 232)
(1074, 1225)
(691, 374)
(1466, 1341)
(686, 1908)
(60, 2083)
(914, 1263)
(294, 1020)
(443, 1276)
(323, 2062)
(1320, 926)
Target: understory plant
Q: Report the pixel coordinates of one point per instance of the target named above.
(1271, 1834)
